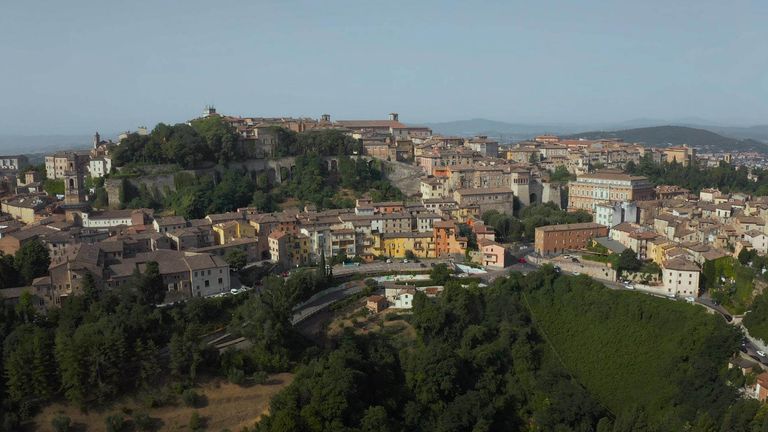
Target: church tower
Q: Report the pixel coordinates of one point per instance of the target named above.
(74, 193)
(96, 140)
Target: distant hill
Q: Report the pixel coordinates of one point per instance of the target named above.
(499, 129)
(663, 136)
(23, 144)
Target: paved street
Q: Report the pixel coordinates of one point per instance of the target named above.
(383, 266)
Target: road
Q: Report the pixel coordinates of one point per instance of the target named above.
(324, 299)
(383, 266)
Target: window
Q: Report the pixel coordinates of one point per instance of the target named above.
(221, 281)
(207, 283)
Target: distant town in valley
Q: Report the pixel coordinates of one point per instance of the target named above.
(215, 258)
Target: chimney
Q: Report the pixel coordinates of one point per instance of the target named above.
(393, 116)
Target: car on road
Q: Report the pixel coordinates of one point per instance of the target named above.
(760, 353)
(576, 274)
(629, 286)
(422, 265)
(574, 259)
(389, 261)
(405, 261)
(690, 300)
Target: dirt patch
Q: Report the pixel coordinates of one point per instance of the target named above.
(228, 406)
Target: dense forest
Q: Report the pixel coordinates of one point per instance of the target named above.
(542, 352)
(510, 228)
(695, 177)
(104, 344)
(586, 359)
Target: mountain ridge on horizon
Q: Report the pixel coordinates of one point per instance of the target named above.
(519, 131)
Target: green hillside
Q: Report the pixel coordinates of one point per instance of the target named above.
(633, 350)
(662, 136)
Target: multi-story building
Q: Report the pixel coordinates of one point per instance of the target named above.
(682, 155)
(588, 190)
(58, 164)
(611, 214)
(481, 144)
(500, 199)
(100, 166)
(553, 239)
(447, 239)
(397, 244)
(681, 277)
(13, 164)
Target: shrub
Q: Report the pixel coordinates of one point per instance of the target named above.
(392, 316)
(115, 423)
(190, 398)
(195, 422)
(259, 377)
(236, 376)
(61, 423)
(143, 421)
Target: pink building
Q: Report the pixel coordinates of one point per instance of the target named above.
(492, 253)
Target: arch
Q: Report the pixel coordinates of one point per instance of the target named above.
(71, 183)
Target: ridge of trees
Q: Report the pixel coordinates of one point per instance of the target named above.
(695, 177)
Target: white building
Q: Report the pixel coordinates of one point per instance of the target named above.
(681, 277)
(611, 214)
(209, 274)
(112, 218)
(758, 240)
(99, 167)
(399, 297)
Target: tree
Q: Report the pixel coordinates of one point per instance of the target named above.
(32, 260)
(150, 285)
(628, 261)
(9, 276)
(61, 423)
(186, 353)
(236, 258)
(440, 274)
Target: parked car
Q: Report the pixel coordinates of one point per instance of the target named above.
(761, 354)
(422, 265)
(389, 261)
(522, 260)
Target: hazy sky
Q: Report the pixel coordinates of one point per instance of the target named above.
(79, 66)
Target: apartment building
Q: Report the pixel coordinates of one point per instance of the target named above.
(500, 199)
(681, 277)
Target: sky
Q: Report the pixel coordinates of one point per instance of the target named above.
(75, 67)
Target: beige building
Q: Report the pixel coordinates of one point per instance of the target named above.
(57, 165)
(588, 190)
(500, 199)
(681, 277)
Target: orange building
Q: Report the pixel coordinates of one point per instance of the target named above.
(559, 238)
(447, 240)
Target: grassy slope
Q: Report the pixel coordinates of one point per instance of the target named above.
(228, 407)
(623, 347)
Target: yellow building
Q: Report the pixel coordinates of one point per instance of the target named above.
(396, 244)
(657, 250)
(228, 231)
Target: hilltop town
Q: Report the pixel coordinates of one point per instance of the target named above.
(224, 208)
(459, 181)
